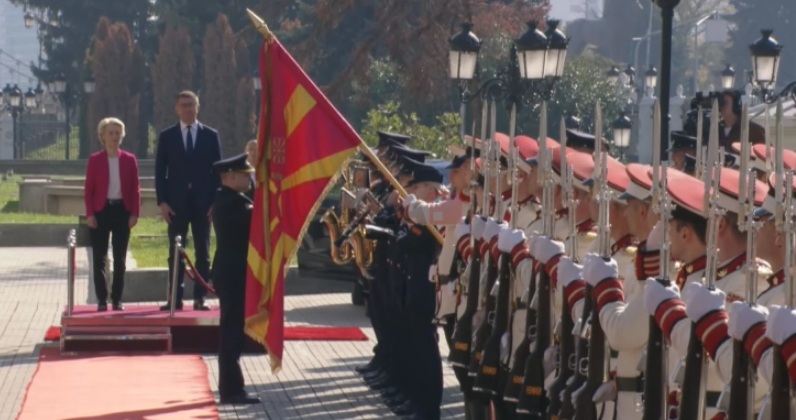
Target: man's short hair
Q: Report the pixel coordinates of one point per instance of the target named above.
(106, 122)
(187, 94)
(684, 218)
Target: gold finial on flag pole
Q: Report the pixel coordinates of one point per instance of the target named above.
(260, 25)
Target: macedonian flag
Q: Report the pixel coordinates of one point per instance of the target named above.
(303, 142)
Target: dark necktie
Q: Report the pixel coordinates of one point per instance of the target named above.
(189, 141)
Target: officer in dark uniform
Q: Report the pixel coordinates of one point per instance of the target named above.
(414, 302)
(232, 211)
(386, 378)
(682, 145)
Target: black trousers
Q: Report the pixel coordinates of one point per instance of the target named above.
(200, 229)
(113, 222)
(232, 320)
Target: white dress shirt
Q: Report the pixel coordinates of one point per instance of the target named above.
(184, 131)
(114, 179)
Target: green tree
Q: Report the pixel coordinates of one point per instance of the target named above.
(172, 72)
(118, 65)
(435, 138)
(220, 83)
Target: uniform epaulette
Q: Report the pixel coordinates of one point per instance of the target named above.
(630, 250)
(590, 234)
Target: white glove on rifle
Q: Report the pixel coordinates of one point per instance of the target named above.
(544, 248)
(568, 271)
(596, 269)
(478, 227)
(491, 230)
(408, 200)
(655, 294)
(699, 300)
(462, 229)
(743, 317)
(781, 323)
(508, 239)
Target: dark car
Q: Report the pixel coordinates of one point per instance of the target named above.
(314, 254)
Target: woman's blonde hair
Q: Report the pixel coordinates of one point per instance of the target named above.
(106, 122)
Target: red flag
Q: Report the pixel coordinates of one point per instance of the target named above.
(303, 142)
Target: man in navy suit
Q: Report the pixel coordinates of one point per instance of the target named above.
(185, 183)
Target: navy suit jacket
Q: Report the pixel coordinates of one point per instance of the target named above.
(175, 170)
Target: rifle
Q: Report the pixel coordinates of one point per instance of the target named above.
(596, 362)
(566, 341)
(742, 386)
(513, 391)
(780, 384)
(692, 403)
(573, 348)
(534, 401)
(488, 380)
(487, 281)
(459, 356)
(655, 370)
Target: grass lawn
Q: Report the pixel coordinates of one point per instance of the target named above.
(149, 242)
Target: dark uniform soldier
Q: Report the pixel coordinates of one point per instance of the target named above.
(231, 220)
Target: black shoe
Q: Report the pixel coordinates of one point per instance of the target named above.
(405, 409)
(117, 306)
(102, 307)
(200, 306)
(378, 386)
(395, 402)
(365, 369)
(374, 375)
(390, 392)
(167, 307)
(243, 398)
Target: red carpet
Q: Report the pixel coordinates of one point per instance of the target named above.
(118, 387)
(291, 334)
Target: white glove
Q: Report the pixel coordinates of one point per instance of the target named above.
(743, 316)
(655, 237)
(568, 271)
(544, 248)
(781, 324)
(655, 294)
(508, 239)
(478, 227)
(596, 269)
(699, 300)
(491, 230)
(462, 229)
(408, 200)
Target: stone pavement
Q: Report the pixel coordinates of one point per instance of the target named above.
(317, 380)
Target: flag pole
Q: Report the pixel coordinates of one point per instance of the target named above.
(262, 28)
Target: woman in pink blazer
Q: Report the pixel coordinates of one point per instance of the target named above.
(113, 203)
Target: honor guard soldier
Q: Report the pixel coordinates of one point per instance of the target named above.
(699, 303)
(232, 211)
(413, 253)
(620, 300)
(387, 140)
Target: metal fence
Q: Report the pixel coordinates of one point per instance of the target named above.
(43, 137)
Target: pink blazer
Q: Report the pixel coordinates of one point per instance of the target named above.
(97, 179)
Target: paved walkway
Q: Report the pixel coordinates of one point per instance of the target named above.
(317, 380)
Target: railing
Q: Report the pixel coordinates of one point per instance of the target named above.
(171, 289)
(71, 267)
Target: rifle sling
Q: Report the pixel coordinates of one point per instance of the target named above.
(630, 384)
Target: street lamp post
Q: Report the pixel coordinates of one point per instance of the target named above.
(15, 102)
(536, 62)
(621, 129)
(728, 77)
(667, 17)
(765, 65)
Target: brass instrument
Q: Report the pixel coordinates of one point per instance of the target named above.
(346, 234)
